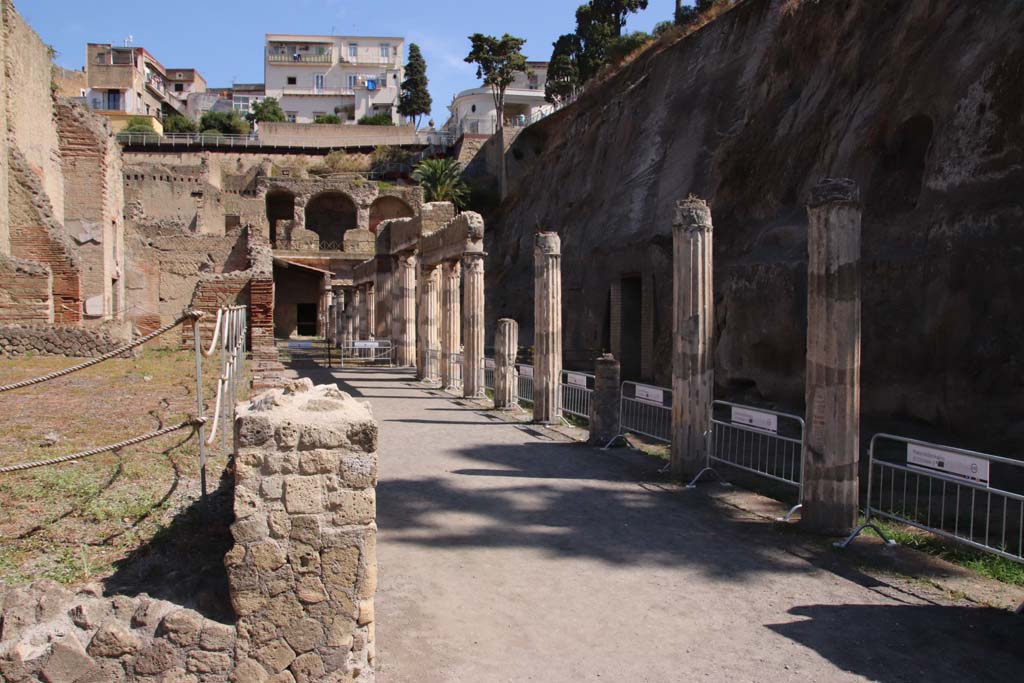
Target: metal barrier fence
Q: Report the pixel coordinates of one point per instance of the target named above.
(577, 388)
(489, 373)
(764, 442)
(365, 352)
(524, 388)
(229, 334)
(645, 410)
(950, 492)
(455, 369)
(432, 361)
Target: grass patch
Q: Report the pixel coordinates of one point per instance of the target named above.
(986, 564)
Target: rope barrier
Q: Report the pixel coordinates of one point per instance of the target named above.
(191, 422)
(195, 315)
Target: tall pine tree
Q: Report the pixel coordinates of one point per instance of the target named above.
(563, 79)
(415, 98)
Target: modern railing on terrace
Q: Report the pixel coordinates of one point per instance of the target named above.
(434, 139)
(300, 58)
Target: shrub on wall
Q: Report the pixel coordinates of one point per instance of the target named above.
(376, 120)
(327, 118)
(177, 123)
(138, 124)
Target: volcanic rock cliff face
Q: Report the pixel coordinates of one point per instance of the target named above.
(920, 101)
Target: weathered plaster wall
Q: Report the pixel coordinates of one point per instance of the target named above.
(31, 124)
(918, 101)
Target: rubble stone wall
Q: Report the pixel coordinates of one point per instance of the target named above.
(48, 340)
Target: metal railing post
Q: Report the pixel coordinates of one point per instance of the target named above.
(199, 404)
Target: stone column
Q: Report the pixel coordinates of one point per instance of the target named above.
(396, 306)
(382, 294)
(302, 572)
(547, 326)
(832, 393)
(473, 324)
(692, 337)
(350, 319)
(605, 401)
(339, 316)
(451, 319)
(405, 322)
(368, 326)
(430, 302)
(357, 312)
(421, 324)
(506, 345)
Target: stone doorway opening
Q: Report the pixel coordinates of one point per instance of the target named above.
(305, 320)
(631, 321)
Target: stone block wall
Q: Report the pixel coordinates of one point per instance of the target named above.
(26, 292)
(47, 340)
(303, 570)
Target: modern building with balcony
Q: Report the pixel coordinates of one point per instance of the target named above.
(128, 81)
(473, 111)
(350, 76)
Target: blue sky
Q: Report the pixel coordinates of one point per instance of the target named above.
(224, 40)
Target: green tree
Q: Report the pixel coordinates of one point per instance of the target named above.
(498, 60)
(622, 46)
(687, 14)
(228, 123)
(177, 123)
(268, 110)
(327, 118)
(599, 25)
(563, 81)
(441, 180)
(138, 124)
(415, 98)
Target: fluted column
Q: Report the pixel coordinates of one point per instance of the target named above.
(832, 394)
(693, 330)
(451, 320)
(547, 324)
(396, 306)
(473, 324)
(506, 345)
(368, 326)
(382, 295)
(339, 316)
(406, 320)
(430, 301)
(357, 312)
(421, 323)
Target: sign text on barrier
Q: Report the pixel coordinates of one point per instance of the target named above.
(756, 419)
(950, 464)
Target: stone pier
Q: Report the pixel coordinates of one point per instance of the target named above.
(357, 313)
(473, 324)
(369, 318)
(832, 443)
(506, 346)
(693, 336)
(405, 321)
(451, 320)
(547, 322)
(605, 401)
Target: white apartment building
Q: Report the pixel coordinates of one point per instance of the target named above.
(473, 112)
(351, 76)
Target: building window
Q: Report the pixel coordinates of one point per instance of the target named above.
(178, 87)
(292, 80)
(385, 51)
(353, 80)
(240, 103)
(290, 116)
(353, 50)
(473, 109)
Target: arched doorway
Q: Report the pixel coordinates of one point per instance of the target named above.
(329, 215)
(280, 207)
(386, 208)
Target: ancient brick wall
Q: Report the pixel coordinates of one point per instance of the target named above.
(94, 199)
(37, 236)
(5, 228)
(25, 292)
(31, 124)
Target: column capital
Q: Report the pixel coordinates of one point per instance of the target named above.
(548, 243)
(692, 215)
(842, 191)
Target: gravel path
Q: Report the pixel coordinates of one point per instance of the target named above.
(508, 556)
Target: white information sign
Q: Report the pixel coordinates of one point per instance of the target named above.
(526, 371)
(756, 419)
(489, 363)
(576, 379)
(951, 464)
(367, 344)
(456, 358)
(650, 394)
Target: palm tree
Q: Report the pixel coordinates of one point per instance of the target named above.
(441, 180)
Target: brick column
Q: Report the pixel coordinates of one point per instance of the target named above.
(451, 319)
(693, 330)
(382, 295)
(547, 325)
(473, 324)
(605, 401)
(833, 358)
(303, 571)
(370, 316)
(506, 346)
(405, 322)
(430, 314)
